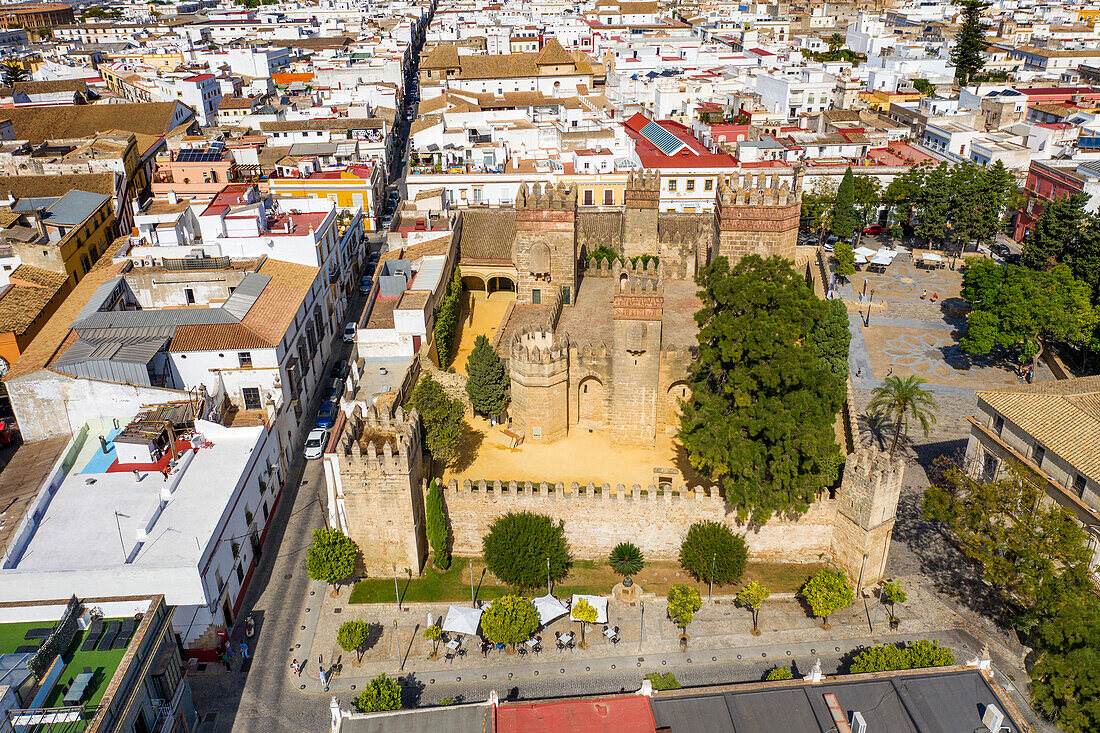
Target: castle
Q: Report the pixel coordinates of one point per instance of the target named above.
(599, 343)
(605, 343)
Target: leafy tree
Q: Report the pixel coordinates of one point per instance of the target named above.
(889, 657)
(752, 596)
(817, 204)
(831, 337)
(331, 557)
(966, 54)
(626, 559)
(904, 192)
(14, 72)
(845, 259)
(352, 636)
(900, 399)
(510, 620)
(933, 204)
(436, 526)
(826, 592)
(924, 86)
(1014, 308)
(782, 672)
(433, 634)
(586, 613)
(446, 319)
(1057, 226)
(998, 189)
(381, 694)
(442, 417)
(867, 197)
(666, 681)
(487, 382)
(1031, 550)
(835, 41)
(1065, 678)
(761, 419)
(712, 553)
(893, 594)
(683, 602)
(845, 219)
(518, 545)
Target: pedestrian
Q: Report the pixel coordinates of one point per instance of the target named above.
(859, 372)
(164, 471)
(923, 294)
(244, 649)
(935, 296)
(295, 668)
(227, 660)
(323, 676)
(1030, 374)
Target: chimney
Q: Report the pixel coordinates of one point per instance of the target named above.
(172, 197)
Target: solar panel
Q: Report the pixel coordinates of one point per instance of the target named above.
(199, 155)
(665, 141)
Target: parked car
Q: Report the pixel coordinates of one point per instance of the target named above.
(351, 330)
(387, 220)
(873, 229)
(315, 444)
(326, 416)
(335, 390)
(1001, 250)
(365, 285)
(830, 243)
(339, 371)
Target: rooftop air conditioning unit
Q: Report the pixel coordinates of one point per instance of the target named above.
(993, 719)
(857, 723)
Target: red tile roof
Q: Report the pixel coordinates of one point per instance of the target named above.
(630, 714)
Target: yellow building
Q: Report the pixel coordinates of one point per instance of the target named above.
(352, 187)
(69, 232)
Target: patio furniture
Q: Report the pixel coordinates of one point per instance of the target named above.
(609, 633)
(522, 651)
(449, 656)
(38, 633)
(124, 634)
(108, 638)
(26, 649)
(78, 689)
(453, 644)
(566, 638)
(531, 643)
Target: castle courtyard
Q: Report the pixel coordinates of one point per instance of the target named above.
(582, 456)
(481, 316)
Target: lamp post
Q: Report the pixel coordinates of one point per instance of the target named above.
(710, 592)
(396, 592)
(870, 300)
(548, 575)
(473, 603)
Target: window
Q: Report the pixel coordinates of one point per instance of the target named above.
(536, 297)
(608, 197)
(245, 359)
(566, 295)
(240, 572)
(85, 264)
(189, 295)
(998, 424)
(672, 184)
(1038, 455)
(691, 184)
(251, 397)
(588, 197)
(1079, 485)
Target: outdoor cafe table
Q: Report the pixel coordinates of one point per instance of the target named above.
(532, 642)
(609, 633)
(453, 644)
(566, 638)
(78, 688)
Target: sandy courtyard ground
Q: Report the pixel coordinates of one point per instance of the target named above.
(582, 457)
(479, 317)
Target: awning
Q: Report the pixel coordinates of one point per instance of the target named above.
(865, 251)
(861, 259)
(597, 602)
(886, 253)
(928, 257)
(881, 259)
(462, 620)
(549, 608)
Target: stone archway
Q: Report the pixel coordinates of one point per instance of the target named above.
(590, 403)
(475, 284)
(677, 391)
(501, 284)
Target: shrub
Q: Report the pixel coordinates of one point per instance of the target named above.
(381, 693)
(436, 526)
(518, 545)
(889, 657)
(683, 602)
(446, 319)
(666, 681)
(711, 552)
(779, 673)
(510, 620)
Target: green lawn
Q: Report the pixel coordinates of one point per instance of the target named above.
(587, 577)
(103, 663)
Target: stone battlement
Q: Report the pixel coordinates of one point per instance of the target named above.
(536, 345)
(546, 196)
(704, 498)
(373, 444)
(761, 189)
(603, 268)
(644, 180)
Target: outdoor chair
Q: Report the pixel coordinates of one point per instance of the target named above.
(449, 656)
(561, 646)
(462, 651)
(522, 651)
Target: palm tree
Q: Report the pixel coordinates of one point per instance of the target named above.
(626, 560)
(835, 41)
(902, 399)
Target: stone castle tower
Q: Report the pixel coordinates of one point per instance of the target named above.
(539, 366)
(758, 215)
(641, 201)
(381, 473)
(867, 503)
(636, 360)
(545, 251)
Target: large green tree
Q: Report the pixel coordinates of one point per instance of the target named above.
(966, 54)
(522, 548)
(712, 553)
(1030, 549)
(442, 417)
(1014, 308)
(487, 381)
(764, 401)
(866, 196)
(1065, 677)
(510, 619)
(845, 219)
(831, 338)
(1057, 226)
(331, 557)
(933, 204)
(436, 526)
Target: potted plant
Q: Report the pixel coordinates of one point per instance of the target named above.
(892, 593)
(626, 560)
(432, 634)
(683, 602)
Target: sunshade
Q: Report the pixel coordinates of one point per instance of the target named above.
(549, 608)
(597, 602)
(462, 620)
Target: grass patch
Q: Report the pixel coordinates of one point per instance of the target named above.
(587, 577)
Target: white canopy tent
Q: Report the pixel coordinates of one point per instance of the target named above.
(931, 257)
(462, 620)
(860, 259)
(597, 602)
(886, 253)
(549, 608)
(864, 251)
(881, 259)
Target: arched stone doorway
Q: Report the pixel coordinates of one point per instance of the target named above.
(501, 284)
(676, 392)
(624, 280)
(475, 286)
(590, 404)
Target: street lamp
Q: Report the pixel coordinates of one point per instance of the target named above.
(396, 592)
(869, 302)
(710, 593)
(548, 575)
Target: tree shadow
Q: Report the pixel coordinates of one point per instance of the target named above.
(412, 690)
(468, 448)
(374, 635)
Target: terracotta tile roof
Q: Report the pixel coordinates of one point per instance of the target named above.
(1064, 416)
(59, 185)
(273, 312)
(47, 87)
(487, 235)
(217, 337)
(58, 329)
(37, 124)
(31, 292)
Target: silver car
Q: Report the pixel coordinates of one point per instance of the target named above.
(315, 444)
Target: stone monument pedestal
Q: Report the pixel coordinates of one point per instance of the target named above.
(626, 594)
